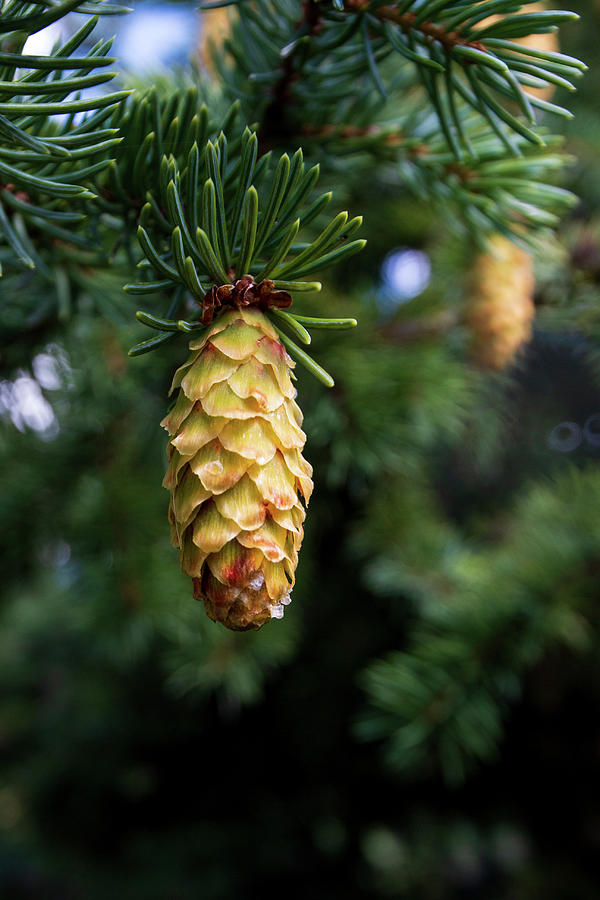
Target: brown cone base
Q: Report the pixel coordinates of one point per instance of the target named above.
(239, 609)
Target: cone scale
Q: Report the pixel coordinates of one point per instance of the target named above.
(238, 481)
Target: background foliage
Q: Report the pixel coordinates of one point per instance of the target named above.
(421, 724)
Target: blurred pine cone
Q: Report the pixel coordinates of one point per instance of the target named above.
(236, 471)
(500, 306)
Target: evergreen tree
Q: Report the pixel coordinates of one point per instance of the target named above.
(436, 667)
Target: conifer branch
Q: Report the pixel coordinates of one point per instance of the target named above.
(455, 82)
(44, 161)
(188, 244)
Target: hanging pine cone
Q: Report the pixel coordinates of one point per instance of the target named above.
(238, 481)
(236, 472)
(500, 306)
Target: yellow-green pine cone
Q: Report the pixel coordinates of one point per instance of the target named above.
(237, 477)
(500, 305)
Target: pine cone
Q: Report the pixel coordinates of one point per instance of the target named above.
(236, 471)
(500, 307)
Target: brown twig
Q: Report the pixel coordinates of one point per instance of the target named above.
(406, 21)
